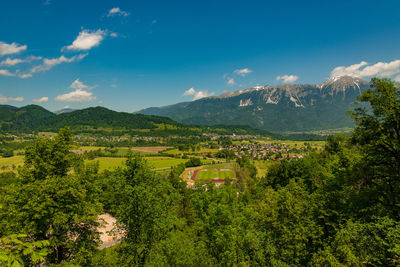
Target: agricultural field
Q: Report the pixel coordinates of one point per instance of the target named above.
(201, 151)
(163, 162)
(151, 149)
(224, 165)
(314, 144)
(108, 163)
(154, 162)
(262, 166)
(121, 151)
(90, 148)
(7, 163)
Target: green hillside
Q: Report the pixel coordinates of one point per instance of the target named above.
(102, 120)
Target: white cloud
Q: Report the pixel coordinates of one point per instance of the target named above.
(80, 94)
(76, 96)
(6, 73)
(116, 11)
(13, 48)
(49, 63)
(78, 85)
(12, 62)
(86, 40)
(197, 94)
(41, 100)
(362, 69)
(189, 91)
(4, 99)
(114, 34)
(243, 72)
(287, 78)
(231, 81)
(201, 94)
(25, 75)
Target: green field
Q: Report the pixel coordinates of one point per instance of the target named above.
(163, 162)
(201, 151)
(262, 166)
(225, 165)
(107, 163)
(6, 163)
(154, 162)
(210, 174)
(314, 144)
(121, 151)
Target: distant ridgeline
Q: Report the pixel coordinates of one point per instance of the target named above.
(107, 122)
(281, 108)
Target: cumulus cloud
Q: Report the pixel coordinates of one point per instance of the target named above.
(287, 78)
(6, 73)
(231, 81)
(243, 72)
(189, 91)
(76, 96)
(41, 100)
(78, 85)
(80, 94)
(116, 11)
(13, 48)
(202, 94)
(363, 69)
(5, 99)
(86, 40)
(49, 63)
(197, 94)
(12, 62)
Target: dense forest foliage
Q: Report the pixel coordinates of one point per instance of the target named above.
(339, 207)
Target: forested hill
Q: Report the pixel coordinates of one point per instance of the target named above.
(28, 118)
(99, 119)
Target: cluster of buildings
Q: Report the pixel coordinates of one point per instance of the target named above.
(271, 151)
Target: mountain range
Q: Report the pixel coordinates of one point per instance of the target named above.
(286, 107)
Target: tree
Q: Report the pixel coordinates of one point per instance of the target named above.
(144, 203)
(16, 251)
(53, 202)
(193, 162)
(377, 133)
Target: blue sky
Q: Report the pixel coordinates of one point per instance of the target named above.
(129, 55)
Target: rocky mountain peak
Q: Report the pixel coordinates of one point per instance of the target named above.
(343, 83)
(293, 107)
